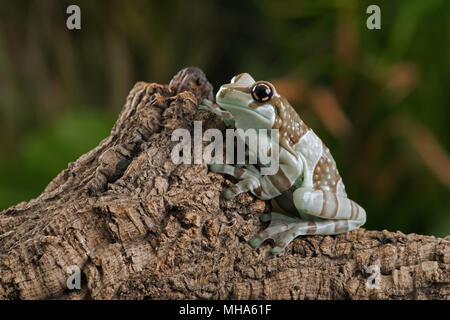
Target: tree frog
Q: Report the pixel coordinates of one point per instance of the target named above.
(307, 184)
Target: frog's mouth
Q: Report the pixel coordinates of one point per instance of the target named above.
(231, 105)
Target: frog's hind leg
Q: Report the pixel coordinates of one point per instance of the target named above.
(283, 229)
(345, 214)
(329, 214)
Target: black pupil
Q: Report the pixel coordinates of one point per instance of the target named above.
(261, 92)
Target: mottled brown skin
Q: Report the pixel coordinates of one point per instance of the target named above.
(326, 172)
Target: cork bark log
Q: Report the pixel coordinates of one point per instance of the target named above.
(140, 227)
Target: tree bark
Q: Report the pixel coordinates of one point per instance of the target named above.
(140, 227)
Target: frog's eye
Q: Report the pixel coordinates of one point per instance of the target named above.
(262, 92)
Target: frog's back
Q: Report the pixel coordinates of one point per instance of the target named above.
(320, 167)
(326, 175)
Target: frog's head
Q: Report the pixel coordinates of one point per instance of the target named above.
(249, 101)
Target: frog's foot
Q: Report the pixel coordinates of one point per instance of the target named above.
(207, 102)
(282, 229)
(242, 186)
(207, 105)
(226, 116)
(249, 178)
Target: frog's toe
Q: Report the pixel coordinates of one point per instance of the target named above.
(276, 250)
(265, 217)
(227, 122)
(215, 167)
(255, 242)
(207, 102)
(228, 194)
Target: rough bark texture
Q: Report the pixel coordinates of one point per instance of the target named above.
(141, 227)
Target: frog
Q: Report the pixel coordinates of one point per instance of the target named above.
(307, 185)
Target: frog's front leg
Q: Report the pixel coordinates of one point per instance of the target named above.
(327, 213)
(226, 116)
(249, 178)
(265, 187)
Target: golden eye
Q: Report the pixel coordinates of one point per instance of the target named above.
(262, 92)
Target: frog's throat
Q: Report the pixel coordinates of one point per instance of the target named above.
(234, 105)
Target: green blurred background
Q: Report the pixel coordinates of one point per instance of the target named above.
(379, 99)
